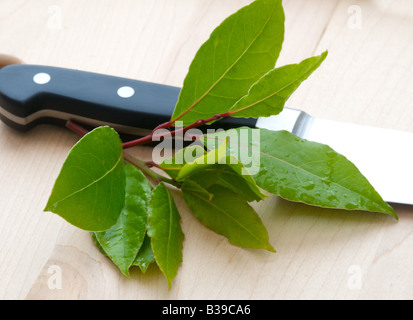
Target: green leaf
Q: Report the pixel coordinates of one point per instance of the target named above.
(90, 189)
(215, 167)
(165, 231)
(239, 51)
(215, 156)
(310, 172)
(269, 94)
(172, 166)
(145, 255)
(123, 240)
(218, 167)
(228, 214)
(96, 242)
(195, 187)
(226, 177)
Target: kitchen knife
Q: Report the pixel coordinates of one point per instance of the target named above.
(31, 95)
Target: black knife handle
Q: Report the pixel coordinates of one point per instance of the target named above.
(32, 94)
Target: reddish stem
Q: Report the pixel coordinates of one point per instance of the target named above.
(165, 125)
(152, 164)
(76, 128)
(149, 138)
(143, 166)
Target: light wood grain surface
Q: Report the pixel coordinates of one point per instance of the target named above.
(321, 253)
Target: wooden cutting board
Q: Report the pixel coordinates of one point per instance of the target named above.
(321, 253)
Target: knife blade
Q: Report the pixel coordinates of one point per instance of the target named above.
(32, 95)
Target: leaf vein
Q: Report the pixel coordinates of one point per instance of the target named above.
(90, 184)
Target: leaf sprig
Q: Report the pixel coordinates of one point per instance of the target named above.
(103, 189)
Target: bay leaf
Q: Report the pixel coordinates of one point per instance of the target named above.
(165, 231)
(239, 51)
(172, 166)
(310, 172)
(268, 95)
(218, 167)
(96, 242)
(228, 214)
(145, 255)
(123, 240)
(90, 189)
